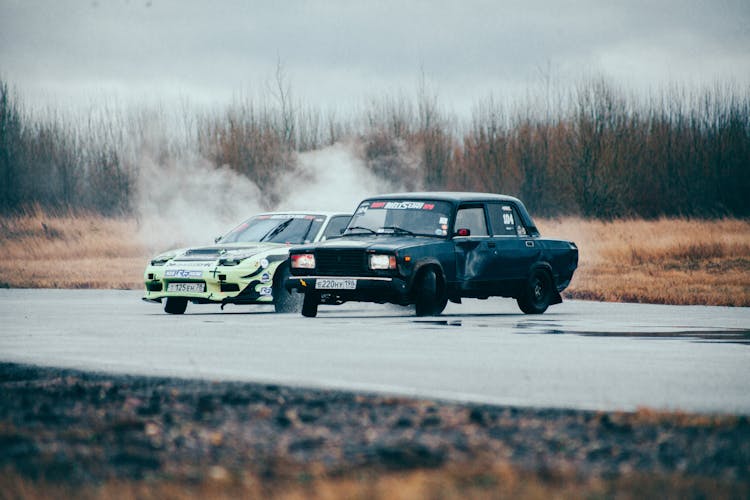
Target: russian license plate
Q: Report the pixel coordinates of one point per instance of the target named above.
(187, 287)
(335, 284)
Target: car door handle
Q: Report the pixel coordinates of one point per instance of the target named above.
(530, 244)
(491, 244)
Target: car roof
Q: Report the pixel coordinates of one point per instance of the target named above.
(325, 213)
(452, 196)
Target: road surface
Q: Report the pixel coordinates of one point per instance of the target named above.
(583, 355)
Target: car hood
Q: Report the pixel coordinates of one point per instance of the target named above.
(380, 242)
(224, 250)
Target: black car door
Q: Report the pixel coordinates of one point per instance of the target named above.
(514, 251)
(473, 250)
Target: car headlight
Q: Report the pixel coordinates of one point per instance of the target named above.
(230, 261)
(235, 260)
(160, 261)
(303, 261)
(382, 261)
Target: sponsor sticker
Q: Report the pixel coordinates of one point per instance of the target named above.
(405, 205)
(266, 290)
(265, 277)
(377, 204)
(182, 273)
(264, 263)
(443, 220)
(192, 264)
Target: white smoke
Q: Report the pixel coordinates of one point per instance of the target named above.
(333, 178)
(189, 201)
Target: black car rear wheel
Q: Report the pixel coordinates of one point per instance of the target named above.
(175, 305)
(310, 305)
(537, 296)
(430, 298)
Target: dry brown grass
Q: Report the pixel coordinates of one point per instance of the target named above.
(667, 261)
(477, 481)
(41, 250)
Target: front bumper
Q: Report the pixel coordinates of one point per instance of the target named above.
(221, 286)
(368, 289)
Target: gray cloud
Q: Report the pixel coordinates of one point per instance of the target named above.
(341, 50)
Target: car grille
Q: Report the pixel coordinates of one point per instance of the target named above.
(340, 262)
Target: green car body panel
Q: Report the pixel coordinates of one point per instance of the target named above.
(236, 272)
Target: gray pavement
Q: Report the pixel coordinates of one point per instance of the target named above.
(585, 355)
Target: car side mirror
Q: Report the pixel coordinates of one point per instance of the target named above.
(216, 240)
(463, 232)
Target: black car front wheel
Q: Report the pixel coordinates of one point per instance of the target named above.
(175, 305)
(283, 300)
(537, 296)
(430, 297)
(310, 305)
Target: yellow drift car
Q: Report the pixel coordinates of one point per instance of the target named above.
(248, 265)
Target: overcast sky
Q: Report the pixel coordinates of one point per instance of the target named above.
(339, 53)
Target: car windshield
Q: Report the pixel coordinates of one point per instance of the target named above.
(409, 217)
(276, 228)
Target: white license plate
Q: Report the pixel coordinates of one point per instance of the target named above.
(328, 284)
(187, 287)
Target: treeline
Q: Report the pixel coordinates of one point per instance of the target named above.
(594, 151)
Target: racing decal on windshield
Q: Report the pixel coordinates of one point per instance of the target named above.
(401, 205)
(404, 205)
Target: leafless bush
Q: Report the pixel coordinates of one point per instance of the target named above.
(596, 151)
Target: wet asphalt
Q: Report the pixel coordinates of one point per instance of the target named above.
(578, 355)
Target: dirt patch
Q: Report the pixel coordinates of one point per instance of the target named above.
(84, 430)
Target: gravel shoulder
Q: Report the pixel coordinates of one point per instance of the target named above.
(80, 429)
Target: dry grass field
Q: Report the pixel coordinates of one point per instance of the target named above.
(666, 261)
(478, 481)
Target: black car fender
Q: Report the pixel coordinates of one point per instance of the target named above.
(547, 267)
(423, 264)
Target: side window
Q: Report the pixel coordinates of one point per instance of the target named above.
(505, 221)
(502, 219)
(472, 218)
(335, 227)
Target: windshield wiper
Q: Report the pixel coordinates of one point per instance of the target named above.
(360, 227)
(399, 230)
(273, 232)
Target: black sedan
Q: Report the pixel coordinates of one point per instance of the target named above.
(428, 248)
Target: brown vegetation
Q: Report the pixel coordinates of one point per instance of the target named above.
(41, 250)
(593, 151)
(70, 434)
(497, 481)
(666, 261)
